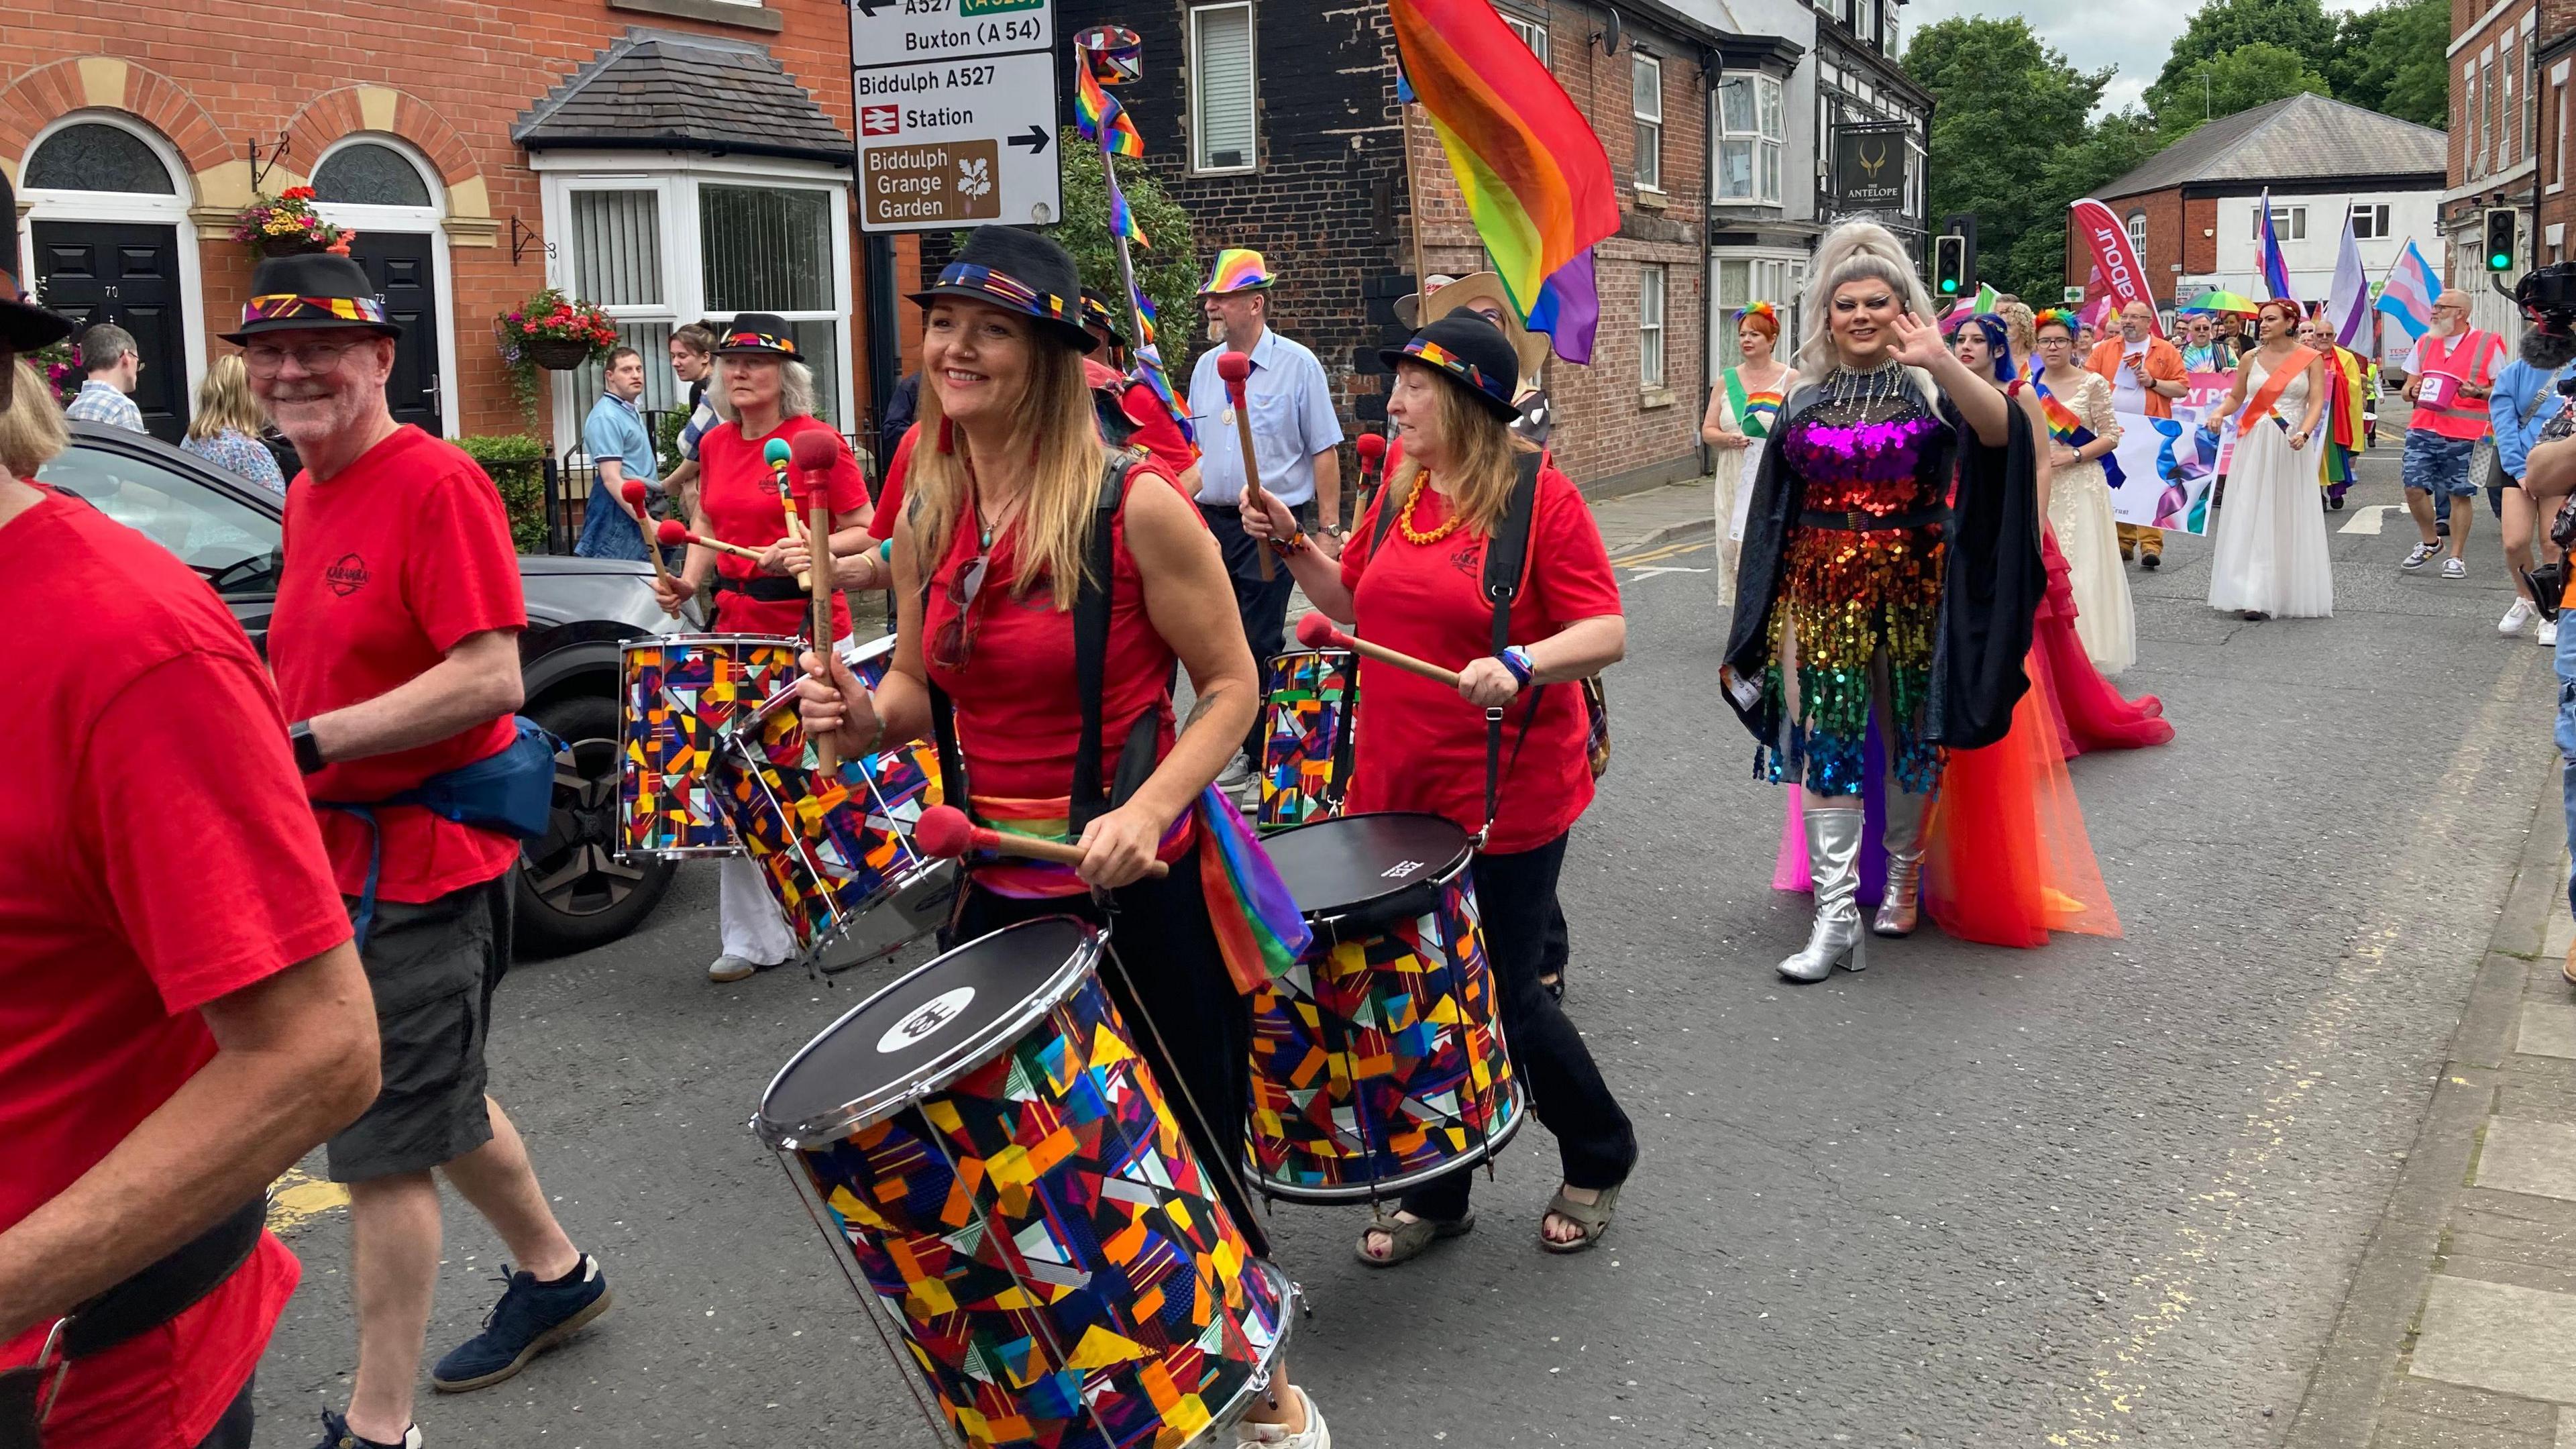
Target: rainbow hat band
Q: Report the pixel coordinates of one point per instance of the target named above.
(1018, 271)
(758, 334)
(1237, 269)
(286, 306)
(1004, 288)
(311, 290)
(1470, 350)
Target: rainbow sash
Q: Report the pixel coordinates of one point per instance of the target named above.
(2067, 428)
(1258, 928)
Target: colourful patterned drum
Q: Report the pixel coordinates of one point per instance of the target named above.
(682, 693)
(1309, 698)
(1014, 1189)
(1378, 1059)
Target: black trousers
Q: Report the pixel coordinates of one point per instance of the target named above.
(1263, 606)
(232, 1431)
(1516, 895)
(1169, 981)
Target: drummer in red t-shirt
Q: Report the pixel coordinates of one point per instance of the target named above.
(763, 391)
(1413, 582)
(181, 1013)
(1006, 509)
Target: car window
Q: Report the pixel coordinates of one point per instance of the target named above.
(230, 544)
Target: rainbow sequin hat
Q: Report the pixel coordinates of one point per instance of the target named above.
(1017, 271)
(1237, 269)
(1471, 352)
(308, 291)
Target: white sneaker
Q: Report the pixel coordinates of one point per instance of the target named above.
(2548, 634)
(732, 968)
(2418, 556)
(2514, 618)
(2453, 568)
(1315, 1437)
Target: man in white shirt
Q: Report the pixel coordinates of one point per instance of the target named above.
(114, 364)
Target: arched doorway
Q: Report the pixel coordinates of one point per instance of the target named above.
(107, 224)
(392, 198)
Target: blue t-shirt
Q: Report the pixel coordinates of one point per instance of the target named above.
(616, 430)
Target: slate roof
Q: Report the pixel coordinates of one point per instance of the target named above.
(667, 91)
(2301, 137)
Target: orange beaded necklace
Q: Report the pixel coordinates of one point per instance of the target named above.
(1404, 518)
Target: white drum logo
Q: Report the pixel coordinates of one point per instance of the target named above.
(1400, 870)
(925, 1020)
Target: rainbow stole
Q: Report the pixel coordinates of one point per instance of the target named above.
(1258, 928)
(2069, 429)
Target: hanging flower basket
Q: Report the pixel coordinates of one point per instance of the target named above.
(554, 332)
(285, 225)
(558, 354)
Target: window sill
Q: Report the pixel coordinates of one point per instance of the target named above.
(1650, 198)
(713, 12)
(1648, 399)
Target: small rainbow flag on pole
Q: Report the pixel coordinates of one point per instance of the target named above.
(1100, 117)
(1535, 177)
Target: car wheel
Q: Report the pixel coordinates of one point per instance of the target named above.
(574, 891)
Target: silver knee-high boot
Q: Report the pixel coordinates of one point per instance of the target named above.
(1833, 856)
(1901, 909)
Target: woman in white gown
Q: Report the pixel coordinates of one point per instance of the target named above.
(2082, 431)
(1742, 409)
(2268, 551)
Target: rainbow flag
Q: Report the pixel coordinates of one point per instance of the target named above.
(1569, 310)
(2067, 427)
(1100, 117)
(1535, 178)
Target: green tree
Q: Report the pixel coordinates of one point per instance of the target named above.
(2011, 143)
(2220, 26)
(1168, 269)
(2253, 74)
(2390, 59)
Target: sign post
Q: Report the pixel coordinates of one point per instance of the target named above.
(956, 111)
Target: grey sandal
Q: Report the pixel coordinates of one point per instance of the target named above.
(1407, 1241)
(1592, 1217)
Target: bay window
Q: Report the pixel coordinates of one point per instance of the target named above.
(1751, 138)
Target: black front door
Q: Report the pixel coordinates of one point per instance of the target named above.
(128, 274)
(407, 283)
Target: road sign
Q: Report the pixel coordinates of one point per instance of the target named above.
(954, 142)
(907, 32)
(2073, 296)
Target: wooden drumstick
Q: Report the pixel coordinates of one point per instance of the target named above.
(673, 531)
(813, 456)
(1317, 632)
(775, 453)
(946, 831)
(1236, 369)
(633, 491)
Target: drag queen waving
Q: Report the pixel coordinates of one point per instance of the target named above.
(1891, 566)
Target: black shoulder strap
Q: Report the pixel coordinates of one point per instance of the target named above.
(1506, 549)
(1091, 639)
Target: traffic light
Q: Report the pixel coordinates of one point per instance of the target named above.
(1949, 267)
(2503, 238)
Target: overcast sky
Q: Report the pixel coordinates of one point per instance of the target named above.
(2133, 35)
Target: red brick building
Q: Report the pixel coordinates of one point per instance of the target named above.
(668, 158)
(2497, 109)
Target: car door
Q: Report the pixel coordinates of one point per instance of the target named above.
(232, 541)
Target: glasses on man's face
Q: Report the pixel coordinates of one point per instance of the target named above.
(315, 357)
(955, 642)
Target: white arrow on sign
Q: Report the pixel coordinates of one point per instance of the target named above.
(955, 142)
(908, 32)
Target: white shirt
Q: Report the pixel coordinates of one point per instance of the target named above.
(2127, 396)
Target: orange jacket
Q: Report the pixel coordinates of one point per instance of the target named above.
(2164, 364)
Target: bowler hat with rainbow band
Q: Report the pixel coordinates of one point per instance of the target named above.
(1237, 269)
(308, 292)
(1017, 271)
(758, 334)
(23, 325)
(1471, 352)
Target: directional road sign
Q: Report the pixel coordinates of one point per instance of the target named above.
(957, 110)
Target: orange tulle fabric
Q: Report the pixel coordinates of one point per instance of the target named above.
(2006, 856)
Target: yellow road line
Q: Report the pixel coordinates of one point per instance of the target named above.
(296, 1199)
(1670, 550)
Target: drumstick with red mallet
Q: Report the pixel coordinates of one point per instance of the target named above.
(1317, 632)
(814, 454)
(1372, 450)
(633, 491)
(945, 831)
(1236, 369)
(673, 532)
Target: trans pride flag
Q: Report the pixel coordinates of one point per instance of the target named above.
(2408, 293)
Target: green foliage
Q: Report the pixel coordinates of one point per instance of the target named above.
(2220, 26)
(2253, 74)
(666, 439)
(2111, 148)
(1168, 269)
(2390, 59)
(517, 463)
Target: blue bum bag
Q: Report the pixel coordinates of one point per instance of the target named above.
(511, 791)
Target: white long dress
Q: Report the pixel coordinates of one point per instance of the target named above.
(2079, 513)
(2268, 550)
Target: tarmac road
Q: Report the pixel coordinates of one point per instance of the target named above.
(2112, 1191)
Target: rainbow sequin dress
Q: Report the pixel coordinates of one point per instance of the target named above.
(1852, 595)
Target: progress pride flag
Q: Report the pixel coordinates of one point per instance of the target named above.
(2123, 277)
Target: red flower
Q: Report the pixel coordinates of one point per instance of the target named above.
(296, 193)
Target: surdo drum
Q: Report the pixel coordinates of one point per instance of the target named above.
(1378, 1059)
(1019, 1201)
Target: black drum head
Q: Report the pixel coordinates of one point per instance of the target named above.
(1372, 866)
(927, 1029)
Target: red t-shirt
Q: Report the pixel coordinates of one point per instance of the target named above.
(890, 497)
(389, 564)
(739, 496)
(1018, 713)
(1418, 745)
(1155, 432)
(156, 853)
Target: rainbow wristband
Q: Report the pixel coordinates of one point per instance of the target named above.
(1290, 546)
(1517, 660)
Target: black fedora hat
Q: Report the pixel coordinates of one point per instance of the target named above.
(311, 290)
(1471, 352)
(23, 325)
(1017, 271)
(1096, 312)
(759, 334)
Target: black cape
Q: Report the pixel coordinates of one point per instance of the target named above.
(1990, 591)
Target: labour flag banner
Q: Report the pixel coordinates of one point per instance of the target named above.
(2409, 292)
(2116, 267)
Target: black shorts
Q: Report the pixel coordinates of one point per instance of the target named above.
(433, 967)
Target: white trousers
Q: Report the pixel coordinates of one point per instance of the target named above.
(748, 920)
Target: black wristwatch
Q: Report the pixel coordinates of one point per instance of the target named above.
(308, 755)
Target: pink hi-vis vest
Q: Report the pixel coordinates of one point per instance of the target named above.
(2468, 359)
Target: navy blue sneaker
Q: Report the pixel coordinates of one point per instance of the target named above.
(530, 1318)
(336, 1434)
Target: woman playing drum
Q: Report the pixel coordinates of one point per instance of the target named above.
(1007, 497)
(763, 392)
(1422, 746)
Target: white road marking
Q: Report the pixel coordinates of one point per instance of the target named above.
(2368, 520)
(1663, 569)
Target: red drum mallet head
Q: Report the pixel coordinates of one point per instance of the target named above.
(1317, 632)
(944, 831)
(672, 532)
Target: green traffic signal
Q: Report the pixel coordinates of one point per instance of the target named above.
(1949, 284)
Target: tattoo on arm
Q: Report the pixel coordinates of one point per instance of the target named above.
(1198, 707)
